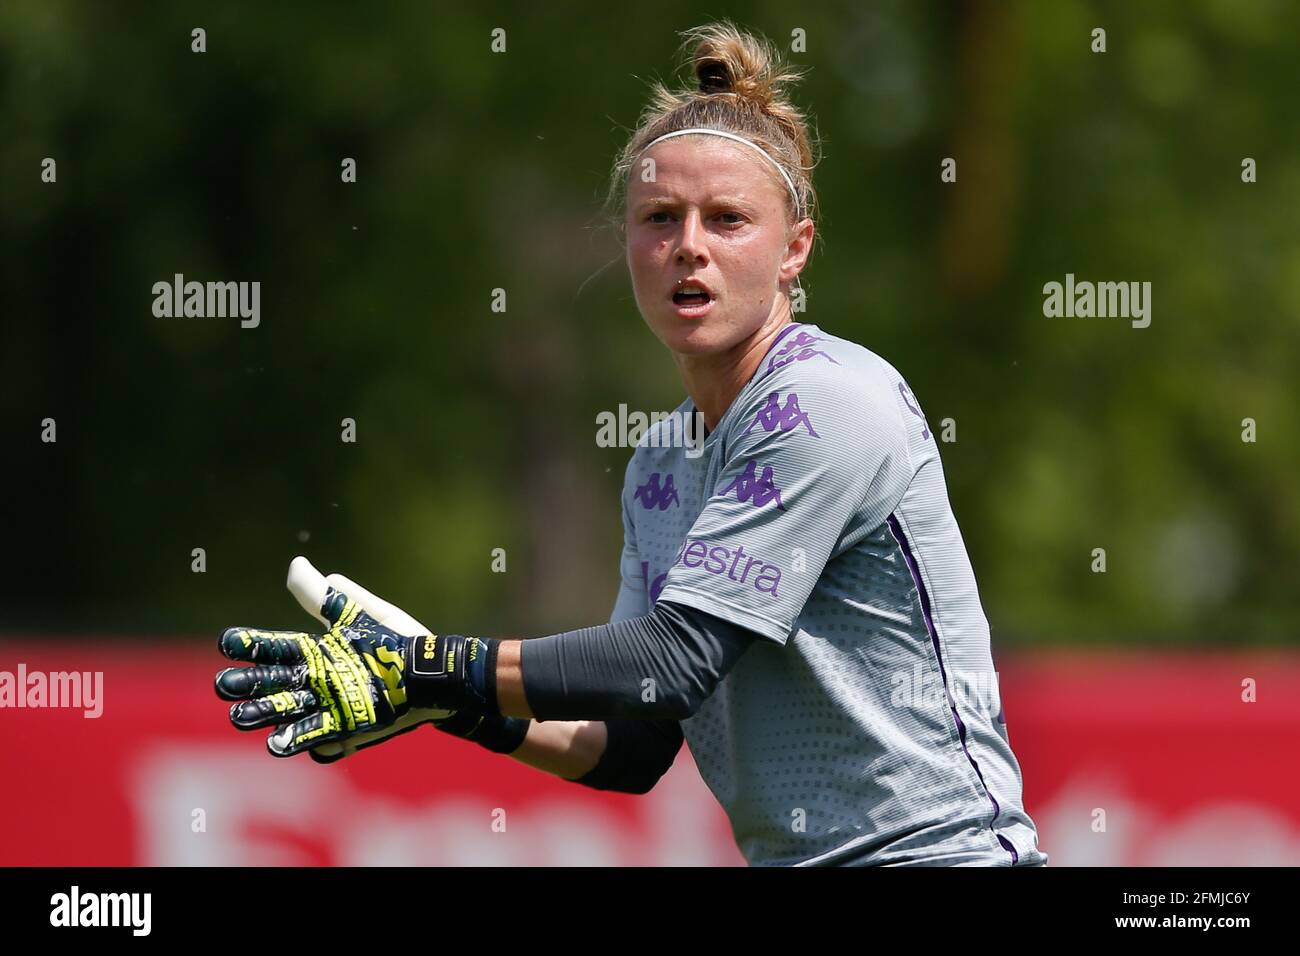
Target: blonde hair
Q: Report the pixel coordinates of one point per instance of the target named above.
(740, 84)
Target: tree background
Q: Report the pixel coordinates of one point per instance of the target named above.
(481, 170)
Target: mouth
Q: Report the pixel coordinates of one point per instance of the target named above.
(692, 299)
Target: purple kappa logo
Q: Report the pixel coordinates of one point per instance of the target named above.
(652, 495)
(760, 490)
(798, 349)
(913, 406)
(772, 416)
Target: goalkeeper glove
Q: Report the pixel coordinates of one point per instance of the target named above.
(358, 678)
(492, 731)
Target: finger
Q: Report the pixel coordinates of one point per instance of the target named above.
(243, 683)
(264, 647)
(307, 586)
(329, 605)
(339, 610)
(387, 614)
(330, 752)
(318, 728)
(279, 708)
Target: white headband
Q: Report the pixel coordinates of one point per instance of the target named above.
(798, 208)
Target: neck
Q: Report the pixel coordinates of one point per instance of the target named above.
(714, 381)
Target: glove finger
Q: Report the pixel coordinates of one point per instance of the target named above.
(265, 647)
(244, 683)
(283, 707)
(339, 610)
(307, 586)
(330, 752)
(315, 729)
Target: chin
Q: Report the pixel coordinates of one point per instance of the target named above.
(687, 337)
(695, 339)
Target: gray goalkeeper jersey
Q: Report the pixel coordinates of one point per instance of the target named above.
(866, 728)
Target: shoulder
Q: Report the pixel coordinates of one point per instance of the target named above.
(661, 438)
(811, 373)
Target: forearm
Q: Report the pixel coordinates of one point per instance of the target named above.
(626, 756)
(656, 667)
(566, 748)
(622, 755)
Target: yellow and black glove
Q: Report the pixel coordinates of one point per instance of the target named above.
(490, 731)
(343, 689)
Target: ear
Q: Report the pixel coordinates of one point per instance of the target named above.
(797, 251)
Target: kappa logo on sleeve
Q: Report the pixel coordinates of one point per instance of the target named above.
(773, 416)
(798, 349)
(652, 495)
(760, 490)
(914, 407)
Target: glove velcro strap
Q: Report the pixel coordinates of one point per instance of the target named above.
(450, 671)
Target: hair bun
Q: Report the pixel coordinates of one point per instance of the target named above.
(714, 77)
(727, 60)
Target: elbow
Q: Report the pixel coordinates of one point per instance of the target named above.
(645, 782)
(637, 754)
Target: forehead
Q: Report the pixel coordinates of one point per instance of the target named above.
(698, 166)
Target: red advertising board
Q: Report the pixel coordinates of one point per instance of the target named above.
(1128, 759)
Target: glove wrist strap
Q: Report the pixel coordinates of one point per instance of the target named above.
(452, 672)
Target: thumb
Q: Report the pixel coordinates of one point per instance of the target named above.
(309, 587)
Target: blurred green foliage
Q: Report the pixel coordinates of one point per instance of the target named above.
(476, 430)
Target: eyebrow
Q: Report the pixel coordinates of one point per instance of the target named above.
(714, 201)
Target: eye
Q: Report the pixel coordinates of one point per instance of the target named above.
(655, 217)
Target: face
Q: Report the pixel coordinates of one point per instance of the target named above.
(716, 215)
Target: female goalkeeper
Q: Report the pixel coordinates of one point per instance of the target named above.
(796, 600)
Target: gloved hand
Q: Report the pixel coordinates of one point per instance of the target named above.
(360, 682)
(496, 733)
(306, 585)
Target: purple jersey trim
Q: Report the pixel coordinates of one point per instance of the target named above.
(896, 530)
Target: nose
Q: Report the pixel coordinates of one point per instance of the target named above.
(691, 245)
